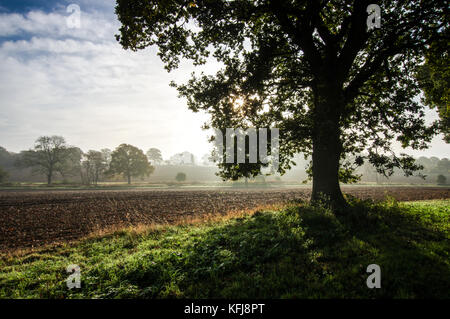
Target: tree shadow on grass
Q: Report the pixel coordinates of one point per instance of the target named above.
(304, 252)
(413, 255)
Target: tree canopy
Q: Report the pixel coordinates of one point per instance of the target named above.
(434, 79)
(311, 68)
(129, 161)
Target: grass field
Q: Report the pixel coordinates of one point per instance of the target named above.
(296, 252)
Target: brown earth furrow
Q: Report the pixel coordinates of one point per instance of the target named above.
(34, 218)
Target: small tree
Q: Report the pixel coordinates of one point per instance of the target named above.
(441, 180)
(94, 165)
(129, 161)
(71, 164)
(154, 155)
(181, 177)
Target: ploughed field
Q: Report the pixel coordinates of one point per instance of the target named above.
(34, 218)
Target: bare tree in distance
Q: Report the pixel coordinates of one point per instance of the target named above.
(94, 165)
(154, 156)
(49, 155)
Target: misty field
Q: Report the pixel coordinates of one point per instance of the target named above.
(35, 218)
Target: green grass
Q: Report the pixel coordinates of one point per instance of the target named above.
(298, 252)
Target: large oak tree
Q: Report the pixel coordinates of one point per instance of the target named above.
(312, 68)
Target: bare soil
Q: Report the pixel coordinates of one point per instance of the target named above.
(35, 218)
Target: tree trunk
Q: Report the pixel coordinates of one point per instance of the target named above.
(49, 178)
(325, 168)
(327, 146)
(129, 179)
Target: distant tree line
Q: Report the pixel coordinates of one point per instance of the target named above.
(51, 157)
(432, 168)
(3, 175)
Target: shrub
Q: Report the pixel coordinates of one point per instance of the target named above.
(181, 177)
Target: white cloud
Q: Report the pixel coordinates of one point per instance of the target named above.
(81, 84)
(94, 25)
(84, 86)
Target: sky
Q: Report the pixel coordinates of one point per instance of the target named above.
(80, 83)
